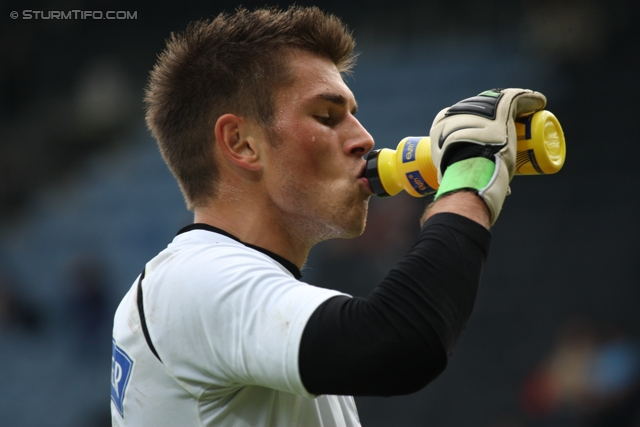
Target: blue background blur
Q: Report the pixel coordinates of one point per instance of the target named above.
(86, 200)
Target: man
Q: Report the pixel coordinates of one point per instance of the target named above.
(252, 116)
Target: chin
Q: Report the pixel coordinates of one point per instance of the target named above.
(354, 233)
(355, 227)
(347, 224)
(343, 233)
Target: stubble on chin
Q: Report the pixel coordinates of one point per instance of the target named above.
(352, 222)
(330, 222)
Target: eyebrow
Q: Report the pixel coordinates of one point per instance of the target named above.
(337, 99)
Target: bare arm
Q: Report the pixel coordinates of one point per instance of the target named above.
(465, 203)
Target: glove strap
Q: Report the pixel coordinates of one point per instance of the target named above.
(473, 174)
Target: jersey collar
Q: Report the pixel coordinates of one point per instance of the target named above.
(293, 269)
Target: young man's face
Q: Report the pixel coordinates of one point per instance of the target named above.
(314, 170)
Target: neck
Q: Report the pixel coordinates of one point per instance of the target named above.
(254, 225)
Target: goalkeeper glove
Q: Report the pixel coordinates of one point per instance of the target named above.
(473, 143)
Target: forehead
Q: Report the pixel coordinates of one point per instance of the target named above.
(313, 77)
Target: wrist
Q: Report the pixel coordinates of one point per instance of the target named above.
(470, 174)
(462, 202)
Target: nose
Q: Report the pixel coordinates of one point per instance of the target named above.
(360, 142)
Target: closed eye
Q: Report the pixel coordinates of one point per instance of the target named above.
(337, 103)
(325, 120)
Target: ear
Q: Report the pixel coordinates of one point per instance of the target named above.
(238, 139)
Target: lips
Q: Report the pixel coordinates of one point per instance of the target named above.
(365, 182)
(362, 179)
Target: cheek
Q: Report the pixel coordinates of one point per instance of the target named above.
(308, 149)
(312, 157)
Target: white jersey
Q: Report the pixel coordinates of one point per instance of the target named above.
(225, 321)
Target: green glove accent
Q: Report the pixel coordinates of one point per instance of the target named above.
(474, 173)
(491, 92)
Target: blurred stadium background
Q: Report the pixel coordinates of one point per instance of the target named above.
(85, 201)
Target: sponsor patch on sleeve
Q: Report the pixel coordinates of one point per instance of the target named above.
(121, 368)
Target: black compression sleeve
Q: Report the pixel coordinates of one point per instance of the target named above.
(397, 339)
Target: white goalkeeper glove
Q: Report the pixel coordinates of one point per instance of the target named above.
(473, 143)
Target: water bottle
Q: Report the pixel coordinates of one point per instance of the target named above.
(541, 150)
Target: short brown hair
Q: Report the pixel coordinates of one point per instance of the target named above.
(229, 64)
